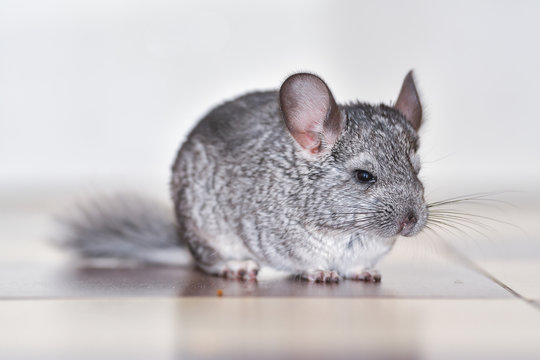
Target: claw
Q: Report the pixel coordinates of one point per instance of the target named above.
(365, 275)
(240, 269)
(321, 276)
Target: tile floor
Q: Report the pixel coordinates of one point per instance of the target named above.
(478, 299)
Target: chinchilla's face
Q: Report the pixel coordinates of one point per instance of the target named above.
(362, 160)
(369, 182)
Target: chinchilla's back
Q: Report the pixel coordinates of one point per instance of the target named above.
(239, 162)
(239, 157)
(241, 127)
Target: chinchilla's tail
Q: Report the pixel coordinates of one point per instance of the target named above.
(126, 228)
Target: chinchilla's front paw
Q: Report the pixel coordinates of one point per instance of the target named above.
(321, 276)
(240, 269)
(367, 275)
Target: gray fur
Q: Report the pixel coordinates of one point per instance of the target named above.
(126, 227)
(243, 189)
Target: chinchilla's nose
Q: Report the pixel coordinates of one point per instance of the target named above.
(407, 223)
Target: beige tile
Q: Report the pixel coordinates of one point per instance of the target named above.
(522, 276)
(425, 329)
(235, 328)
(103, 329)
(26, 237)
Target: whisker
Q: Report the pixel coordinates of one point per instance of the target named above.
(495, 220)
(485, 196)
(457, 218)
(449, 228)
(453, 223)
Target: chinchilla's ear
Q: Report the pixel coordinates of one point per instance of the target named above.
(408, 102)
(310, 113)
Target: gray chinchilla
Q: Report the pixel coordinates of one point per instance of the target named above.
(287, 179)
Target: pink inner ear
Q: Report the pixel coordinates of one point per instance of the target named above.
(305, 102)
(307, 122)
(308, 140)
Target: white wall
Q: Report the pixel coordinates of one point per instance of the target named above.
(107, 89)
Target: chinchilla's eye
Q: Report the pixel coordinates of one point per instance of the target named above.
(364, 176)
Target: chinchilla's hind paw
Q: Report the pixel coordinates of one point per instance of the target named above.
(321, 276)
(240, 269)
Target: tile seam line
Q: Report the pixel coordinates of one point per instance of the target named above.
(458, 256)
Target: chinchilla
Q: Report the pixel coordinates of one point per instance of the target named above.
(287, 179)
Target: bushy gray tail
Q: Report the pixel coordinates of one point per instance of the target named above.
(124, 227)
